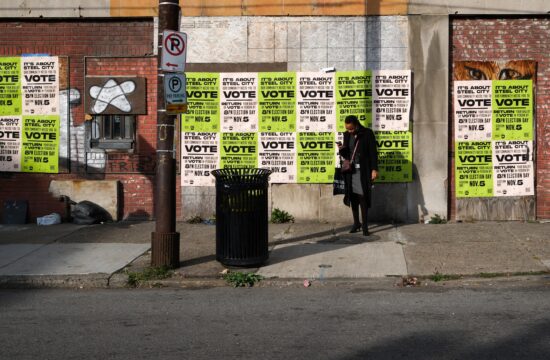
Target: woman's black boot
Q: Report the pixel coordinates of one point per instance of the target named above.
(355, 228)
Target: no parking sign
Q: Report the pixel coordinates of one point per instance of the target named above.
(174, 50)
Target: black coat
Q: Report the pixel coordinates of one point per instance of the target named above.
(368, 161)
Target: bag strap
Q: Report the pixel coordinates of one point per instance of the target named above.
(354, 150)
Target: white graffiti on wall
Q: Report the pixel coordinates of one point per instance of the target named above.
(70, 97)
(112, 94)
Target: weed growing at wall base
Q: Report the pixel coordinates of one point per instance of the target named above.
(437, 219)
(281, 216)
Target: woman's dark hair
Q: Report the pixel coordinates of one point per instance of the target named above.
(352, 119)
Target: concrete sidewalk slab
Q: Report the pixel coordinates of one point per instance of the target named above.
(473, 248)
(467, 258)
(451, 233)
(324, 260)
(33, 234)
(75, 259)
(121, 232)
(12, 252)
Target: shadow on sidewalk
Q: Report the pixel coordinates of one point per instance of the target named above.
(338, 236)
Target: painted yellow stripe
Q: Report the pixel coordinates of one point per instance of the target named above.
(130, 8)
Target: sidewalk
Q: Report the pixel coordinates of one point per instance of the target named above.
(69, 255)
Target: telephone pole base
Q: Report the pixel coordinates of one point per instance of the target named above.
(165, 249)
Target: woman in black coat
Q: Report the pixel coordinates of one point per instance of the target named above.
(358, 184)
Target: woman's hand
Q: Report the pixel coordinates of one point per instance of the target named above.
(374, 175)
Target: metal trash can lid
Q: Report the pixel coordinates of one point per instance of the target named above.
(241, 175)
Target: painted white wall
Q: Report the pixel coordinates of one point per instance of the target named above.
(307, 44)
(54, 8)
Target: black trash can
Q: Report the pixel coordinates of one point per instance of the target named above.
(241, 216)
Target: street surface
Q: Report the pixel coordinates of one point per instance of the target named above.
(324, 322)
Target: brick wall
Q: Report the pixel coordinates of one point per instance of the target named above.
(489, 39)
(138, 186)
(78, 39)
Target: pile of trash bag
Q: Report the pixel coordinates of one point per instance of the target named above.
(88, 213)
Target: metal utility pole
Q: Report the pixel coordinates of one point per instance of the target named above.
(165, 241)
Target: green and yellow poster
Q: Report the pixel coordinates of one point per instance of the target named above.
(203, 99)
(40, 151)
(353, 97)
(315, 157)
(29, 114)
(299, 117)
(277, 102)
(10, 143)
(394, 156)
(513, 110)
(474, 169)
(499, 113)
(10, 86)
(239, 150)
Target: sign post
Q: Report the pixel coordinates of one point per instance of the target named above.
(165, 241)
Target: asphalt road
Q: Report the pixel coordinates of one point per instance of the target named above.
(277, 323)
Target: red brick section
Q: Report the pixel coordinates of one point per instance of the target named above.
(138, 188)
(512, 39)
(78, 39)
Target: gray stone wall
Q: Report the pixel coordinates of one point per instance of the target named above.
(308, 44)
(304, 43)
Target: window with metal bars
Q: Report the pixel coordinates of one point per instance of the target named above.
(112, 132)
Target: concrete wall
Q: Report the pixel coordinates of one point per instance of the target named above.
(54, 8)
(429, 44)
(419, 43)
(104, 193)
(132, 8)
(478, 7)
(304, 44)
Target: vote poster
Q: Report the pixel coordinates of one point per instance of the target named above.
(513, 110)
(258, 116)
(513, 168)
(353, 97)
(29, 114)
(316, 102)
(10, 86)
(500, 111)
(199, 156)
(277, 102)
(474, 169)
(40, 85)
(10, 143)
(277, 152)
(391, 101)
(203, 103)
(239, 150)
(394, 156)
(473, 110)
(315, 157)
(239, 102)
(40, 150)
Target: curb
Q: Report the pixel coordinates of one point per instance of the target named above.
(54, 281)
(120, 281)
